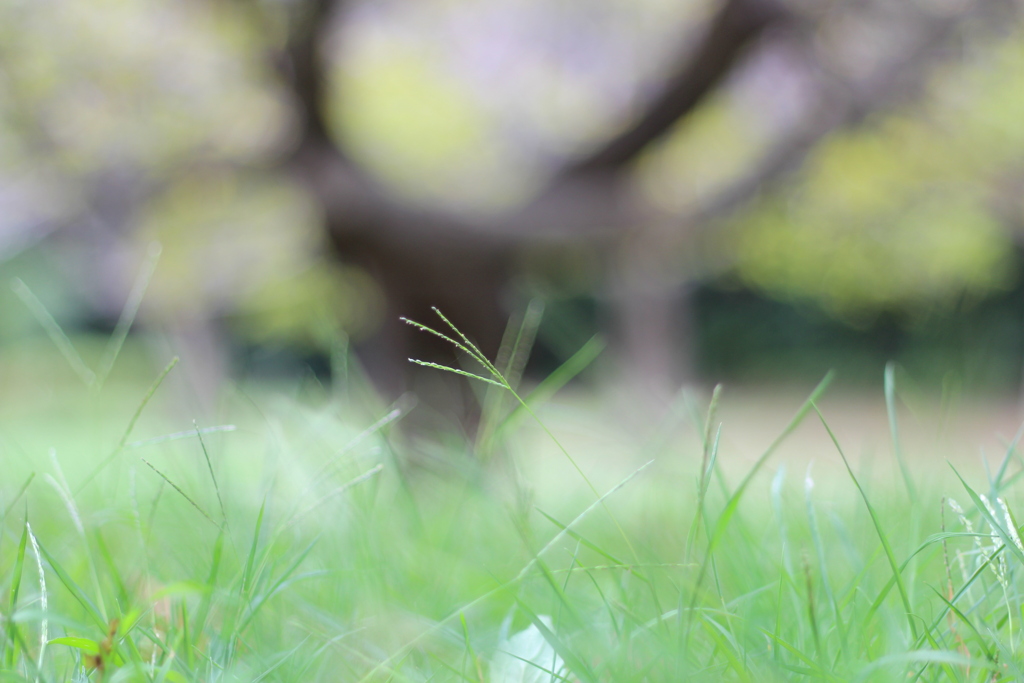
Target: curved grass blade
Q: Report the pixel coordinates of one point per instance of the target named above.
(512, 356)
(183, 494)
(730, 507)
(86, 645)
(392, 661)
(890, 556)
(131, 425)
(550, 385)
(574, 663)
(1008, 542)
(10, 654)
(128, 313)
(718, 531)
(44, 624)
(819, 548)
(17, 497)
(76, 592)
(54, 331)
(931, 540)
(369, 474)
(213, 477)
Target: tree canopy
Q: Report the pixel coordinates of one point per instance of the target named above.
(866, 156)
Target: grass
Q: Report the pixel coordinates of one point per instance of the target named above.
(293, 540)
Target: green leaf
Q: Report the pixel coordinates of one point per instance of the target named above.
(74, 589)
(84, 644)
(1010, 544)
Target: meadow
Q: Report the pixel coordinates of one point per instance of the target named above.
(308, 535)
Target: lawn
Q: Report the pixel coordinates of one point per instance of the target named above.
(310, 535)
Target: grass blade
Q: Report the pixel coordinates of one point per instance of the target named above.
(1012, 544)
(76, 592)
(391, 661)
(54, 331)
(180, 435)
(565, 531)
(213, 477)
(251, 559)
(574, 663)
(275, 589)
(131, 425)
(183, 494)
(588, 544)
(44, 626)
(890, 406)
(10, 654)
(334, 494)
(1010, 450)
(733, 501)
(709, 457)
(731, 505)
(211, 582)
(145, 400)
(17, 497)
(551, 384)
(890, 556)
(128, 313)
(819, 548)
(512, 356)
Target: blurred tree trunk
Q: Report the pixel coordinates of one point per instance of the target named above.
(423, 259)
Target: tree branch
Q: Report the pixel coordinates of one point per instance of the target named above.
(738, 25)
(578, 201)
(842, 104)
(306, 68)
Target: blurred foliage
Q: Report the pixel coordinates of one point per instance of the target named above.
(471, 104)
(417, 128)
(175, 106)
(312, 307)
(908, 211)
(717, 144)
(223, 236)
(148, 82)
(972, 343)
(175, 109)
